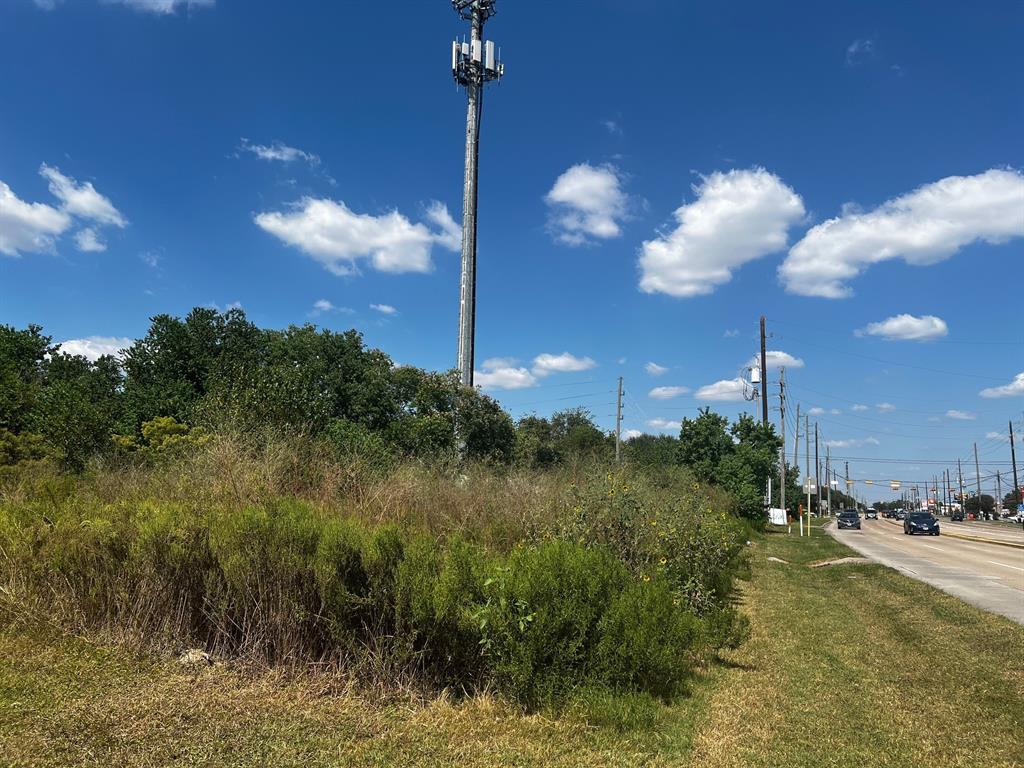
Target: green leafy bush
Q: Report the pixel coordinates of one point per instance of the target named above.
(647, 642)
(540, 619)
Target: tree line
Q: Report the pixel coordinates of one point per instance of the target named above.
(214, 371)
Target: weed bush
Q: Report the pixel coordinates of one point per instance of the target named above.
(554, 584)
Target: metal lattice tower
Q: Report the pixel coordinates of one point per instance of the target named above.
(474, 64)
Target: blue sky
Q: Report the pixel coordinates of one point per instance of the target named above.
(651, 183)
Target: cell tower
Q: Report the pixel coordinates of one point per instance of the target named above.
(474, 64)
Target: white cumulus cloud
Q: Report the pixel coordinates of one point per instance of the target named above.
(665, 425)
(907, 328)
(1014, 389)
(727, 390)
(886, 407)
(737, 217)
(89, 241)
(503, 373)
(28, 227)
(547, 363)
(81, 200)
(667, 393)
(921, 227)
(775, 360)
(339, 238)
(384, 309)
(632, 433)
(655, 370)
(859, 407)
(952, 413)
(279, 152)
(322, 306)
(163, 7)
(94, 347)
(587, 203)
(852, 442)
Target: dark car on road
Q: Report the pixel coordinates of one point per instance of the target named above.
(921, 522)
(957, 515)
(848, 518)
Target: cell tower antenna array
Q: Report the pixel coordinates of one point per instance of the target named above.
(474, 64)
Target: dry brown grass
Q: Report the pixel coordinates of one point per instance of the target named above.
(68, 703)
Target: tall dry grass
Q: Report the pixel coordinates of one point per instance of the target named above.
(281, 551)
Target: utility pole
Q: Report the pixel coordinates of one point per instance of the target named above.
(828, 479)
(473, 65)
(946, 489)
(764, 378)
(847, 479)
(782, 430)
(817, 469)
(977, 479)
(618, 425)
(999, 493)
(1013, 458)
(796, 440)
(960, 481)
(807, 456)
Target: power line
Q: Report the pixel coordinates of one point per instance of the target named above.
(899, 364)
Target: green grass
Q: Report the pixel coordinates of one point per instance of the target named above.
(851, 665)
(856, 665)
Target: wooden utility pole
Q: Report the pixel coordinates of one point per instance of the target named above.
(618, 425)
(796, 440)
(782, 430)
(764, 378)
(1013, 458)
(828, 479)
(817, 469)
(807, 456)
(960, 482)
(977, 479)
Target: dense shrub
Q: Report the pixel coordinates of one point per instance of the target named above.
(540, 619)
(527, 585)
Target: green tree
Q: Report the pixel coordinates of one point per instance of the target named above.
(703, 443)
(652, 450)
(21, 373)
(78, 406)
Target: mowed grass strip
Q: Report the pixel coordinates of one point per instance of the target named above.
(66, 702)
(857, 665)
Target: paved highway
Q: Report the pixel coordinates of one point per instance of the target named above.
(990, 576)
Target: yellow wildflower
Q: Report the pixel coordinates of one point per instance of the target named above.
(663, 561)
(646, 577)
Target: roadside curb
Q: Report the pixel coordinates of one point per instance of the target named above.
(1013, 544)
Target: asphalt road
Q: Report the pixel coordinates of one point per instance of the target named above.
(990, 576)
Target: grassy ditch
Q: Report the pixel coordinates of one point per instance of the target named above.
(854, 665)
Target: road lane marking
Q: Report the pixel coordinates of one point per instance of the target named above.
(940, 549)
(1006, 566)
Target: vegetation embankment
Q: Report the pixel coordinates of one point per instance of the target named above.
(848, 665)
(532, 585)
(353, 525)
